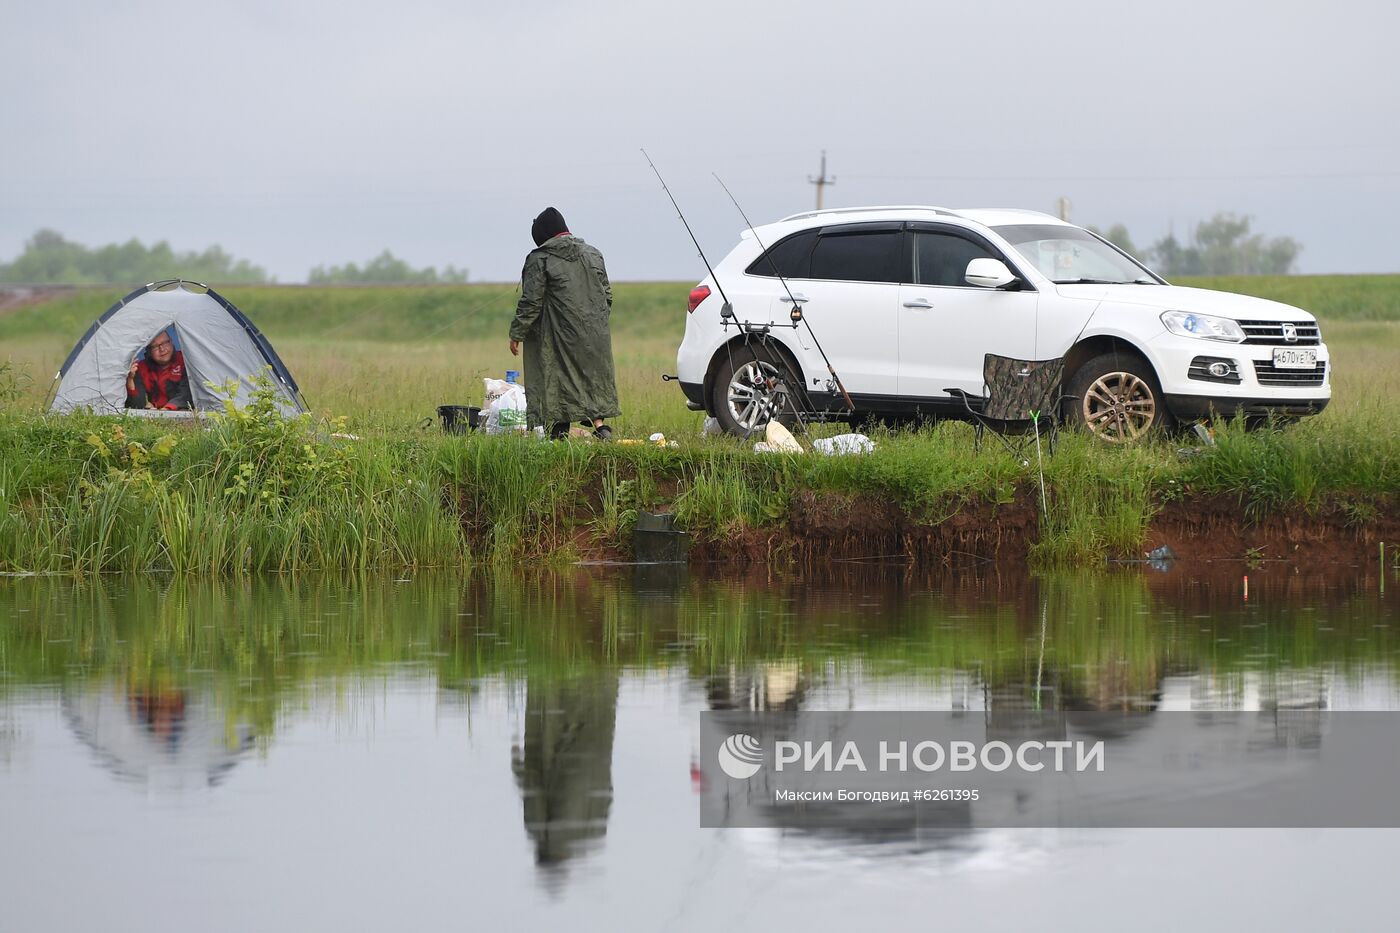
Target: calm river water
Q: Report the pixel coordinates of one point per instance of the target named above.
(496, 752)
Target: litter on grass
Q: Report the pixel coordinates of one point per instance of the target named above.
(779, 439)
(843, 444)
(503, 408)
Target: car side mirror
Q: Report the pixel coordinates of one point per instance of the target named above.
(989, 273)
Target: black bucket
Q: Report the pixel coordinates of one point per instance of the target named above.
(458, 419)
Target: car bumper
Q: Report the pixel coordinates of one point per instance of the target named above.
(1253, 386)
(694, 395)
(1197, 407)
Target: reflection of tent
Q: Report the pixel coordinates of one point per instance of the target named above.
(168, 740)
(219, 343)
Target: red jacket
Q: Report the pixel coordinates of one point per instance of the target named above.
(165, 386)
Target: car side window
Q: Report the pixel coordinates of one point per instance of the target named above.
(791, 256)
(858, 257)
(942, 258)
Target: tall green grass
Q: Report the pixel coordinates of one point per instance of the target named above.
(253, 492)
(1100, 499)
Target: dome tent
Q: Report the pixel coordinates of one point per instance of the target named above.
(218, 341)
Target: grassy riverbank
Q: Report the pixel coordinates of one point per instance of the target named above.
(254, 493)
(81, 495)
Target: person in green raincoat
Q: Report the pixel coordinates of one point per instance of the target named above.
(562, 320)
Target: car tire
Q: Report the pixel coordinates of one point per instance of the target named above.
(1116, 397)
(750, 389)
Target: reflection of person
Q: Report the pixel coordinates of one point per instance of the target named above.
(160, 380)
(564, 770)
(562, 318)
(162, 712)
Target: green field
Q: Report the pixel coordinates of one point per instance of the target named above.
(386, 357)
(383, 359)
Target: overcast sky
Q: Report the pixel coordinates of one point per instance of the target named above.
(303, 133)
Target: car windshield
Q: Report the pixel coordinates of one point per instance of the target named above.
(1068, 254)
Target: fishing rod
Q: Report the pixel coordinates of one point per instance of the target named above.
(726, 310)
(796, 315)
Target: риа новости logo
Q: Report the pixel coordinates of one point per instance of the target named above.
(740, 756)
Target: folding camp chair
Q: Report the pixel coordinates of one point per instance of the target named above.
(1020, 403)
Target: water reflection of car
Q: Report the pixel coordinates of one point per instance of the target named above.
(166, 739)
(906, 301)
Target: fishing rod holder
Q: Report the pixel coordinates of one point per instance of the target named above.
(749, 327)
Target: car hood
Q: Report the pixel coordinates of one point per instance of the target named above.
(1181, 298)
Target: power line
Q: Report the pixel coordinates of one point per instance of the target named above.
(1246, 177)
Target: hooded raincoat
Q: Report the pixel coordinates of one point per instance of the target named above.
(562, 319)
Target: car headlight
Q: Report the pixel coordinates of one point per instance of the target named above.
(1186, 324)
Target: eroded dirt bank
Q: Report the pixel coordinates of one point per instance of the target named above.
(1216, 529)
(827, 526)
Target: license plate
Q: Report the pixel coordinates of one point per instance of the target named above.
(1289, 358)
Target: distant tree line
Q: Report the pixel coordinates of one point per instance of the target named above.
(1222, 245)
(384, 269)
(49, 258)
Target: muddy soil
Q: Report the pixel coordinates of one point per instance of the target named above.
(827, 527)
(1215, 528)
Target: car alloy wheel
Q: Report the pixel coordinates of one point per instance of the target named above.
(1119, 407)
(754, 394)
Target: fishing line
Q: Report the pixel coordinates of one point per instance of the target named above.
(766, 407)
(797, 315)
(726, 312)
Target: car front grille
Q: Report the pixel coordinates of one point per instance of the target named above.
(1267, 375)
(1271, 333)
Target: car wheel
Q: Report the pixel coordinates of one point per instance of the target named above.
(1116, 396)
(751, 388)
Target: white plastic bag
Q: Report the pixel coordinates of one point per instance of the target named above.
(495, 388)
(711, 427)
(843, 444)
(504, 407)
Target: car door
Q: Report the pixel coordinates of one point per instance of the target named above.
(849, 297)
(946, 326)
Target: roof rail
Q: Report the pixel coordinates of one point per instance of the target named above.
(864, 210)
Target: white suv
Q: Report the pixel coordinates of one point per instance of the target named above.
(906, 301)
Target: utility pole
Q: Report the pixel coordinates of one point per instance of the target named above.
(822, 181)
(1063, 208)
